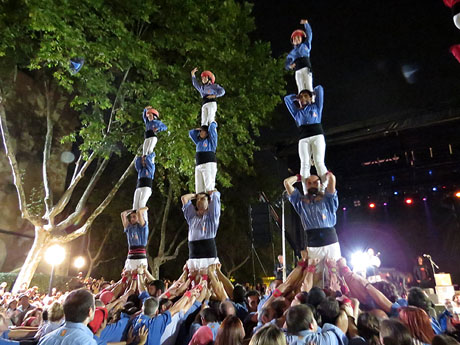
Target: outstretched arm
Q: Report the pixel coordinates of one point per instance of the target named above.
(309, 33)
(289, 184)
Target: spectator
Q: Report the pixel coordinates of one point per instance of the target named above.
(368, 330)
(24, 307)
(442, 339)
(268, 335)
(418, 323)
(4, 332)
(393, 332)
(203, 336)
(231, 332)
(55, 319)
(252, 300)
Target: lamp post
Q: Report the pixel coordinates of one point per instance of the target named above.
(54, 256)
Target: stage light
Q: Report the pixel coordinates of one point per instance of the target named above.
(359, 261)
(430, 172)
(344, 209)
(457, 195)
(395, 193)
(424, 199)
(371, 205)
(434, 189)
(408, 201)
(385, 204)
(392, 178)
(55, 255)
(356, 203)
(79, 262)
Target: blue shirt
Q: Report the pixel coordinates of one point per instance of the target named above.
(171, 332)
(203, 227)
(316, 215)
(207, 144)
(154, 125)
(8, 342)
(155, 325)
(70, 334)
(113, 332)
(137, 235)
(149, 169)
(311, 113)
(300, 50)
(208, 89)
(328, 335)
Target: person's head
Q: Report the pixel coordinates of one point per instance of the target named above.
(150, 307)
(226, 308)
(313, 185)
(79, 306)
(238, 293)
(315, 296)
(202, 203)
(156, 288)
(203, 336)
(252, 299)
(208, 315)
(164, 304)
(297, 37)
(444, 339)
(418, 322)
(371, 252)
(420, 260)
(393, 332)
(132, 217)
(418, 298)
(13, 304)
(300, 318)
(369, 328)
(231, 331)
(24, 300)
(152, 114)
(456, 298)
(204, 132)
(207, 77)
(269, 334)
(329, 310)
(305, 97)
(280, 259)
(55, 312)
(388, 289)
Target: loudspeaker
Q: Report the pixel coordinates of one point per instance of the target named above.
(260, 224)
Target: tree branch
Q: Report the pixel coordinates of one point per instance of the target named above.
(46, 156)
(176, 236)
(77, 166)
(176, 252)
(25, 214)
(64, 238)
(103, 261)
(112, 112)
(101, 246)
(234, 268)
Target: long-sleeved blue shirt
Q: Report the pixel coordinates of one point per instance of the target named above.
(154, 125)
(207, 144)
(316, 215)
(208, 89)
(171, 332)
(70, 334)
(311, 113)
(137, 235)
(155, 325)
(300, 50)
(147, 171)
(113, 332)
(203, 227)
(327, 335)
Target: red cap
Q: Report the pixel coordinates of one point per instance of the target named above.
(153, 111)
(106, 297)
(210, 75)
(298, 33)
(99, 316)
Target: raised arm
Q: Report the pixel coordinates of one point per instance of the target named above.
(195, 82)
(330, 182)
(124, 218)
(187, 197)
(193, 134)
(308, 32)
(212, 131)
(289, 184)
(289, 101)
(319, 97)
(140, 215)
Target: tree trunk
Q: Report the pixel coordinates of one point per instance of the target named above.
(41, 242)
(157, 262)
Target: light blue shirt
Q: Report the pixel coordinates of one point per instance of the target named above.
(70, 334)
(203, 227)
(316, 215)
(207, 144)
(328, 335)
(311, 113)
(300, 50)
(137, 235)
(208, 89)
(154, 125)
(171, 332)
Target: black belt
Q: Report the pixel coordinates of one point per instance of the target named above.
(149, 134)
(302, 62)
(205, 157)
(144, 182)
(208, 100)
(306, 131)
(137, 252)
(321, 237)
(202, 249)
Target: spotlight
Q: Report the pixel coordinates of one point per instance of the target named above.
(356, 203)
(457, 194)
(55, 255)
(371, 205)
(359, 261)
(392, 178)
(385, 204)
(408, 201)
(79, 262)
(430, 172)
(424, 198)
(344, 209)
(434, 189)
(395, 193)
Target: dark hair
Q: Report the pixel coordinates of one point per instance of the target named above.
(209, 315)
(369, 328)
(393, 332)
(299, 318)
(150, 306)
(252, 293)
(231, 332)
(315, 296)
(128, 216)
(164, 302)
(238, 293)
(159, 284)
(278, 306)
(418, 322)
(308, 92)
(329, 310)
(206, 195)
(388, 289)
(204, 128)
(444, 339)
(77, 305)
(417, 298)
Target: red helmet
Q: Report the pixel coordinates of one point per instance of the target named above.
(153, 111)
(298, 33)
(210, 75)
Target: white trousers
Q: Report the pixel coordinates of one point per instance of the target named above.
(457, 20)
(197, 264)
(331, 251)
(141, 196)
(133, 264)
(304, 79)
(205, 177)
(208, 113)
(312, 146)
(149, 145)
